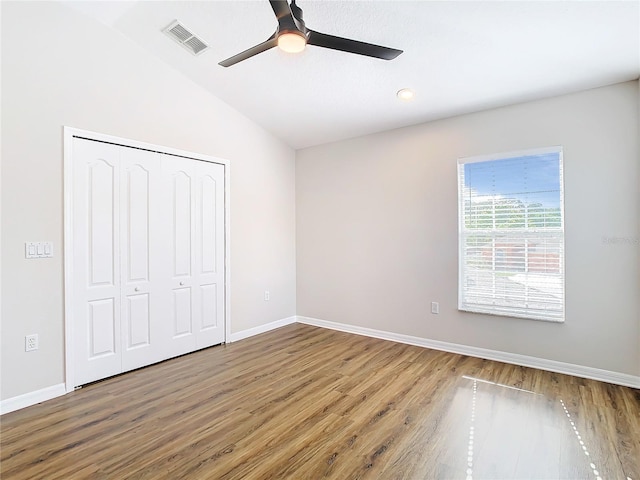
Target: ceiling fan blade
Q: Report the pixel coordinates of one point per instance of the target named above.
(352, 46)
(280, 8)
(287, 18)
(261, 47)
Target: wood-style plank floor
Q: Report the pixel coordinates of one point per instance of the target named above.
(307, 403)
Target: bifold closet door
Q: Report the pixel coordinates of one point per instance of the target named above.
(96, 250)
(148, 249)
(143, 245)
(196, 236)
(210, 247)
(118, 249)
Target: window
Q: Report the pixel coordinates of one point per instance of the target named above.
(511, 226)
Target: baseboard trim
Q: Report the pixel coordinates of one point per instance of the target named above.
(513, 358)
(31, 398)
(48, 393)
(261, 329)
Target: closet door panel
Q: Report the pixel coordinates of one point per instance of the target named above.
(209, 302)
(101, 317)
(138, 321)
(137, 222)
(102, 199)
(181, 231)
(209, 274)
(142, 245)
(179, 181)
(96, 282)
(207, 204)
(183, 324)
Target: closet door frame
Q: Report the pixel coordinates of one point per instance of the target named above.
(69, 134)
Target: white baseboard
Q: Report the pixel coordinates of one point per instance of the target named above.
(513, 358)
(261, 329)
(31, 398)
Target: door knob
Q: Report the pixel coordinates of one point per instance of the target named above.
(137, 289)
(181, 283)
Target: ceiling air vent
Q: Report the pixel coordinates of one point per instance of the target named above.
(186, 38)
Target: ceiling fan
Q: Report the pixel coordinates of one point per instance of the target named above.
(292, 36)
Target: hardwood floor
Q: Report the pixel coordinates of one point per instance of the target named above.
(302, 402)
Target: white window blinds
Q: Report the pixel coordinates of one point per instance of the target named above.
(511, 234)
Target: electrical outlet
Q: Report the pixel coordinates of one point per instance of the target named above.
(266, 295)
(31, 342)
(435, 307)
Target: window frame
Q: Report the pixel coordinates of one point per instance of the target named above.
(463, 233)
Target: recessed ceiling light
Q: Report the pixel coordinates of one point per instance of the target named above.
(405, 94)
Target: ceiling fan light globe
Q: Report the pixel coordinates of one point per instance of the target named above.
(292, 42)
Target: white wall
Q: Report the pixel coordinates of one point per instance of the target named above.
(60, 68)
(377, 229)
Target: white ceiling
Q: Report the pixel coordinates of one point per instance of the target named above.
(459, 57)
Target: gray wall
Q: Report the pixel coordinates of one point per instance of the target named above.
(377, 228)
(60, 68)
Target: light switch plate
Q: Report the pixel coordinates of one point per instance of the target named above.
(38, 249)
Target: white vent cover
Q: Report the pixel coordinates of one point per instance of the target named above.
(184, 37)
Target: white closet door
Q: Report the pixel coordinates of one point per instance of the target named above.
(180, 184)
(208, 277)
(96, 259)
(196, 234)
(148, 257)
(142, 214)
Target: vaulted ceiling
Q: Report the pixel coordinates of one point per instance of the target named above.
(459, 57)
